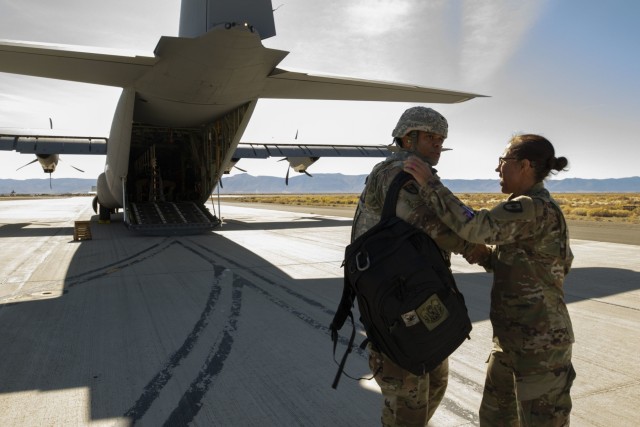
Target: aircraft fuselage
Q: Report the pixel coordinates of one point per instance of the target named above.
(176, 127)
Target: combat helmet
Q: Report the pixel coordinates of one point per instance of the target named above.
(421, 118)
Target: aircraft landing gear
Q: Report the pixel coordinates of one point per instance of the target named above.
(104, 214)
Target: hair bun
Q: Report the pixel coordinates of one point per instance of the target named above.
(559, 163)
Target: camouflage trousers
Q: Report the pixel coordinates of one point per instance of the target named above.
(528, 389)
(409, 400)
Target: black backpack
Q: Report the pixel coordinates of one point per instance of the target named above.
(410, 306)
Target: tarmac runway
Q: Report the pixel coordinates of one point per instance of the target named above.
(230, 328)
(601, 231)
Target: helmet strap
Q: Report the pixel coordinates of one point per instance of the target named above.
(413, 138)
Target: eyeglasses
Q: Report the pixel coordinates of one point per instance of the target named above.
(503, 160)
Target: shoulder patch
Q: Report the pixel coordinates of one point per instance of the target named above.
(513, 206)
(411, 188)
(519, 209)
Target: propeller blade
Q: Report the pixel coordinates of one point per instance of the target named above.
(78, 169)
(33, 161)
(240, 169)
(50, 187)
(286, 178)
(307, 173)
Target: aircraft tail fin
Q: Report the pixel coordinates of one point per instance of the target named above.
(199, 16)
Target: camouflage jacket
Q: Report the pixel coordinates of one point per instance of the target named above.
(410, 207)
(530, 261)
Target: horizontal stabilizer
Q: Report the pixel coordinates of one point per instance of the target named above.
(283, 84)
(63, 63)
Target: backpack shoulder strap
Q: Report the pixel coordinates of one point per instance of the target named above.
(344, 312)
(344, 308)
(391, 199)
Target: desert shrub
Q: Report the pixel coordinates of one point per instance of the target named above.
(608, 213)
(576, 211)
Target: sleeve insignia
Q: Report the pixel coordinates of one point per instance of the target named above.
(513, 206)
(411, 188)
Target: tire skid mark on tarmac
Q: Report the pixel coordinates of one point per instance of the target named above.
(284, 305)
(130, 260)
(152, 390)
(191, 401)
(451, 405)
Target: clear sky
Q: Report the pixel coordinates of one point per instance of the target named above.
(569, 70)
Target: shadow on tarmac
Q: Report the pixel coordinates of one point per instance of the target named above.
(21, 230)
(158, 328)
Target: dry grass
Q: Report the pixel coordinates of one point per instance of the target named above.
(604, 207)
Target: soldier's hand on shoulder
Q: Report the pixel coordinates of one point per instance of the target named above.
(420, 170)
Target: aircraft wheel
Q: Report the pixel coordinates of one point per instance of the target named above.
(105, 213)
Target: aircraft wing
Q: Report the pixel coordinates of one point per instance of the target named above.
(50, 142)
(264, 151)
(282, 84)
(301, 156)
(247, 150)
(65, 63)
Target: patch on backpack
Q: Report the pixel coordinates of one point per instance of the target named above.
(410, 318)
(432, 312)
(515, 207)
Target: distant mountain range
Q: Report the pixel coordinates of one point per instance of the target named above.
(338, 183)
(325, 183)
(41, 186)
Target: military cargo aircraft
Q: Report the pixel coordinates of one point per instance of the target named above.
(182, 112)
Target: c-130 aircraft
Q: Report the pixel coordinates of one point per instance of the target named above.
(178, 123)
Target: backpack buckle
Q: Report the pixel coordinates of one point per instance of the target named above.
(358, 265)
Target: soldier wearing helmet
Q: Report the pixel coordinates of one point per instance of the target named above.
(411, 399)
(422, 131)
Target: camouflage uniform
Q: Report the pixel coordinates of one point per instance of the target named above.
(530, 374)
(409, 400)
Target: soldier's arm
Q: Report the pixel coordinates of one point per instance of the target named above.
(506, 223)
(413, 209)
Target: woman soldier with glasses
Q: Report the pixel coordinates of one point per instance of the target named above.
(529, 373)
